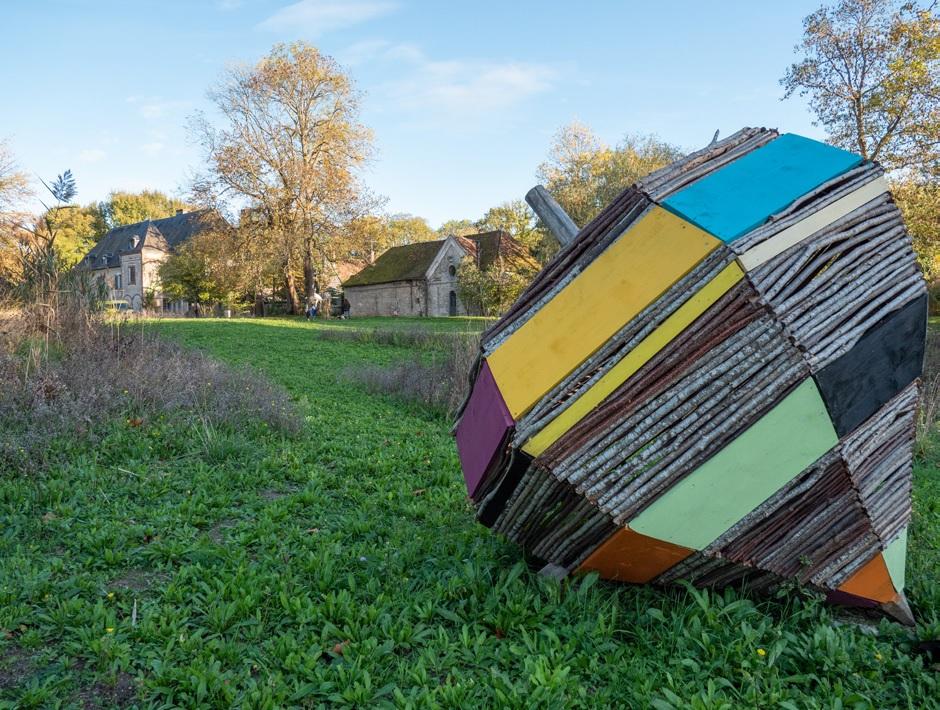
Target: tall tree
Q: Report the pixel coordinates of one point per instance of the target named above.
(77, 229)
(456, 228)
(584, 174)
(408, 229)
(124, 207)
(517, 219)
(290, 145)
(871, 70)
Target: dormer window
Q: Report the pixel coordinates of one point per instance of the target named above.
(135, 240)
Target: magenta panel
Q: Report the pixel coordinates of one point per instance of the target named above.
(483, 430)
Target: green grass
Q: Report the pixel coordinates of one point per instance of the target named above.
(344, 568)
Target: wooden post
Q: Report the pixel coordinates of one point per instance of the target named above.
(551, 213)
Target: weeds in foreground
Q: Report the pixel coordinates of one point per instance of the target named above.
(54, 390)
(438, 378)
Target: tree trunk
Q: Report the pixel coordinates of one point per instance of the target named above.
(290, 284)
(310, 272)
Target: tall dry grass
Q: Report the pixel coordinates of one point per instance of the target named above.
(65, 376)
(436, 379)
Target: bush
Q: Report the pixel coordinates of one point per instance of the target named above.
(437, 379)
(90, 374)
(930, 394)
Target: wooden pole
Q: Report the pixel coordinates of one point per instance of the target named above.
(551, 213)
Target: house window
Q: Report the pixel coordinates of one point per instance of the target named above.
(117, 281)
(452, 270)
(131, 275)
(452, 304)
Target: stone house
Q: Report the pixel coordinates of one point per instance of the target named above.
(127, 259)
(421, 279)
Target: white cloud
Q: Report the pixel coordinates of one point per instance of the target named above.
(318, 16)
(470, 87)
(153, 107)
(451, 87)
(153, 148)
(91, 155)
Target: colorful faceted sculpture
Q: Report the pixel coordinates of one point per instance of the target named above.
(716, 380)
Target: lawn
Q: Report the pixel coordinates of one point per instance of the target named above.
(343, 567)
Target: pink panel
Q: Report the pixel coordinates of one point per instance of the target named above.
(483, 430)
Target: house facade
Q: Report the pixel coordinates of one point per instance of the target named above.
(127, 259)
(421, 279)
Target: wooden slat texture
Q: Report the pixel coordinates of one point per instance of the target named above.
(833, 287)
(632, 334)
(885, 360)
(667, 420)
(812, 223)
(632, 272)
(635, 358)
(805, 530)
(698, 509)
(742, 195)
(880, 458)
(592, 240)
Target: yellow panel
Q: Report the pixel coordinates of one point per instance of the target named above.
(636, 358)
(651, 256)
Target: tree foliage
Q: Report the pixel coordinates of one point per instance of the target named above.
(518, 220)
(490, 291)
(584, 174)
(920, 203)
(123, 207)
(289, 144)
(871, 71)
(456, 228)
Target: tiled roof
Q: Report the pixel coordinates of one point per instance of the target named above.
(166, 234)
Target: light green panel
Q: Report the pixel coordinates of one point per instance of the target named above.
(744, 474)
(895, 556)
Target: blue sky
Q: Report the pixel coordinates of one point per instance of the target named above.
(463, 97)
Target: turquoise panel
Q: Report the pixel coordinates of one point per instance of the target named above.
(741, 196)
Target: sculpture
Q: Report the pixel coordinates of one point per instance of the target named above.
(715, 380)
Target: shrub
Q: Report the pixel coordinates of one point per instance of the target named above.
(437, 379)
(90, 374)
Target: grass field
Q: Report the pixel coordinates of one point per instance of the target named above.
(343, 567)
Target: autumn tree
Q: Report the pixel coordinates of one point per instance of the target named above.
(490, 291)
(456, 228)
(871, 71)
(584, 174)
(123, 207)
(290, 145)
(518, 220)
(920, 203)
(14, 188)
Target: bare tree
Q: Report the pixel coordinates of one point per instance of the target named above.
(290, 146)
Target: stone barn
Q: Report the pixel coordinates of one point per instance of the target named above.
(421, 279)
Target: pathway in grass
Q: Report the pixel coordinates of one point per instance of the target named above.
(344, 567)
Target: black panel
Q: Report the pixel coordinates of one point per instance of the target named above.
(490, 511)
(885, 360)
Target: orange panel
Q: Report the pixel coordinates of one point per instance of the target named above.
(628, 556)
(872, 581)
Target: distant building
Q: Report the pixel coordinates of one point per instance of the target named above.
(127, 259)
(421, 279)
